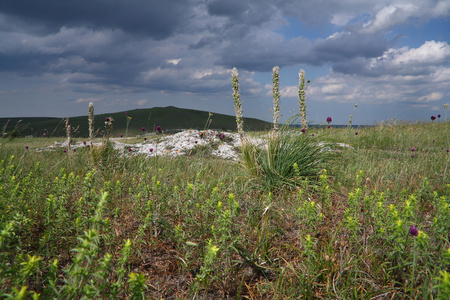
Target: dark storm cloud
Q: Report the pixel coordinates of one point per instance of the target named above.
(348, 46)
(156, 19)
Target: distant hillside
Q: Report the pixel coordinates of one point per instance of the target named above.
(167, 117)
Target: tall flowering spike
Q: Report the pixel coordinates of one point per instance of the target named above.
(276, 97)
(237, 103)
(68, 131)
(91, 121)
(302, 98)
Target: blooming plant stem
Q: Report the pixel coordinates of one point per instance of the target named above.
(91, 122)
(276, 97)
(302, 98)
(237, 103)
(68, 131)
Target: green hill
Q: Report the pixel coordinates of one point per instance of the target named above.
(169, 118)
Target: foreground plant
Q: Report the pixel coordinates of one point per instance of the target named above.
(285, 159)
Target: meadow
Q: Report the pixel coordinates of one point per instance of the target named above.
(372, 222)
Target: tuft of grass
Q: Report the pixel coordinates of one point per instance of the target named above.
(286, 158)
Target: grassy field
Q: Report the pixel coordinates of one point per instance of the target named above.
(373, 223)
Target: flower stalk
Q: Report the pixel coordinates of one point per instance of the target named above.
(276, 97)
(302, 97)
(237, 103)
(91, 122)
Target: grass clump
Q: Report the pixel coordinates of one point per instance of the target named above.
(285, 159)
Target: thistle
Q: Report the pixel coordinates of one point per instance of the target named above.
(91, 121)
(302, 97)
(276, 97)
(109, 121)
(237, 103)
(350, 121)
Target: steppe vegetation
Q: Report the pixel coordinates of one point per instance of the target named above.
(369, 220)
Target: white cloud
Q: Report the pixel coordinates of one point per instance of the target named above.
(83, 100)
(141, 102)
(390, 15)
(433, 96)
(173, 61)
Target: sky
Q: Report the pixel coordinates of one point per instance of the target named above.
(389, 57)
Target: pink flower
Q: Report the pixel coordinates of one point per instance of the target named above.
(329, 120)
(26, 147)
(413, 231)
(303, 130)
(413, 149)
(151, 149)
(356, 133)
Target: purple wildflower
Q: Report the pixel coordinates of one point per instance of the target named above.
(43, 134)
(151, 149)
(439, 116)
(26, 147)
(84, 142)
(121, 135)
(107, 119)
(413, 231)
(143, 128)
(413, 149)
(74, 150)
(222, 136)
(129, 149)
(145, 139)
(196, 142)
(158, 128)
(303, 130)
(126, 113)
(412, 155)
(356, 133)
(65, 150)
(433, 118)
(329, 120)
